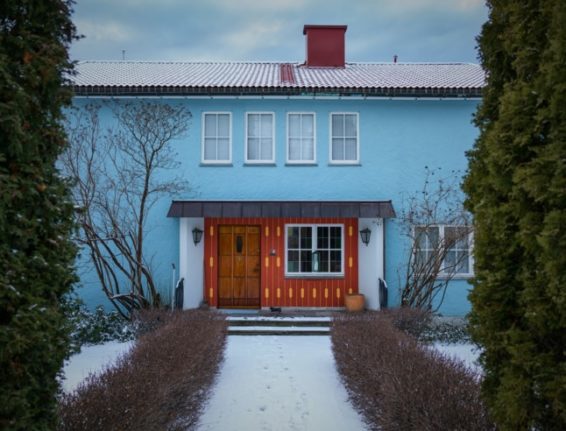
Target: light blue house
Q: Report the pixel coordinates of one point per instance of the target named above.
(289, 162)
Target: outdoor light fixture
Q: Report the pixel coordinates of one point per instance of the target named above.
(197, 235)
(365, 234)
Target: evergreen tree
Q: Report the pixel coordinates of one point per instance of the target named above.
(516, 187)
(36, 254)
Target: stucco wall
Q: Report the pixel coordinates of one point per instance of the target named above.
(398, 138)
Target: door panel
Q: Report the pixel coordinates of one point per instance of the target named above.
(239, 266)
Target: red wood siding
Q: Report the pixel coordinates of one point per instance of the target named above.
(276, 289)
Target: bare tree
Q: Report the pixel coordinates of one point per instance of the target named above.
(439, 232)
(119, 174)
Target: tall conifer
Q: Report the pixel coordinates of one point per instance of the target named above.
(516, 187)
(36, 255)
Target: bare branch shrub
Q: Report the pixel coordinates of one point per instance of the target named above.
(432, 262)
(400, 385)
(119, 174)
(160, 385)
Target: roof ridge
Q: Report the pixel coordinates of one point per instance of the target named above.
(294, 63)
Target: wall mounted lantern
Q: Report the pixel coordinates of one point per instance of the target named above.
(366, 235)
(197, 235)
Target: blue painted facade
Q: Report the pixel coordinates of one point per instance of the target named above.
(397, 139)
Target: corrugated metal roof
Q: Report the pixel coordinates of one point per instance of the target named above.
(364, 209)
(240, 77)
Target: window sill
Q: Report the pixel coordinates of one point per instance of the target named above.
(259, 164)
(342, 165)
(216, 165)
(314, 277)
(299, 165)
(456, 277)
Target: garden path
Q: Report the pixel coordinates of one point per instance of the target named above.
(279, 383)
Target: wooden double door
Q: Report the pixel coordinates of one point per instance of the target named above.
(239, 266)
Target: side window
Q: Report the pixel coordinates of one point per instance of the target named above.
(260, 137)
(216, 137)
(447, 246)
(301, 144)
(344, 140)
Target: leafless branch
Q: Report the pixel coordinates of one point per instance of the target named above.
(119, 173)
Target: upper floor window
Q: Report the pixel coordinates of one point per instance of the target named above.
(260, 137)
(300, 137)
(314, 250)
(216, 137)
(344, 141)
(446, 246)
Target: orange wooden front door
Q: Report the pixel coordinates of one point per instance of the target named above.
(239, 266)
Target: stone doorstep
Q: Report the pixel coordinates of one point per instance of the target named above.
(278, 322)
(267, 330)
(278, 325)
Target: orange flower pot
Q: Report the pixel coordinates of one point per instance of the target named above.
(355, 302)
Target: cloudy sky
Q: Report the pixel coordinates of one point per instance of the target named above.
(271, 30)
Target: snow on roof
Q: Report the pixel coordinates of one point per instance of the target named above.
(203, 76)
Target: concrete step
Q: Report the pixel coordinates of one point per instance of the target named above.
(279, 321)
(277, 330)
(263, 325)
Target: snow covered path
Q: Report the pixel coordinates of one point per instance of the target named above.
(279, 383)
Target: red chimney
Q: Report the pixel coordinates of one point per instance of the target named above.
(325, 45)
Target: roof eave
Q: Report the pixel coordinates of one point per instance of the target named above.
(116, 91)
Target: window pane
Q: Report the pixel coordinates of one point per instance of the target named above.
(266, 149)
(306, 261)
(293, 237)
(323, 261)
(351, 149)
(421, 238)
(337, 125)
(294, 125)
(463, 263)
(253, 149)
(253, 125)
(337, 149)
(432, 235)
(350, 126)
(209, 125)
(322, 237)
(308, 149)
(307, 126)
(210, 149)
(449, 262)
(292, 261)
(223, 149)
(335, 261)
(266, 125)
(294, 149)
(306, 238)
(335, 237)
(223, 125)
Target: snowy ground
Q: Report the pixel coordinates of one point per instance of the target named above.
(465, 352)
(91, 359)
(279, 383)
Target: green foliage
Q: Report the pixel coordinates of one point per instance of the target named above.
(95, 327)
(516, 189)
(36, 255)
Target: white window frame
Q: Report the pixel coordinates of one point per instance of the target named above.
(202, 152)
(263, 161)
(441, 236)
(313, 227)
(344, 162)
(288, 146)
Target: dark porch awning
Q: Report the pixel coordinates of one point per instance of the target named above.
(276, 209)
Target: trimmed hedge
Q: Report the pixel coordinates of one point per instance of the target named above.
(160, 385)
(400, 384)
